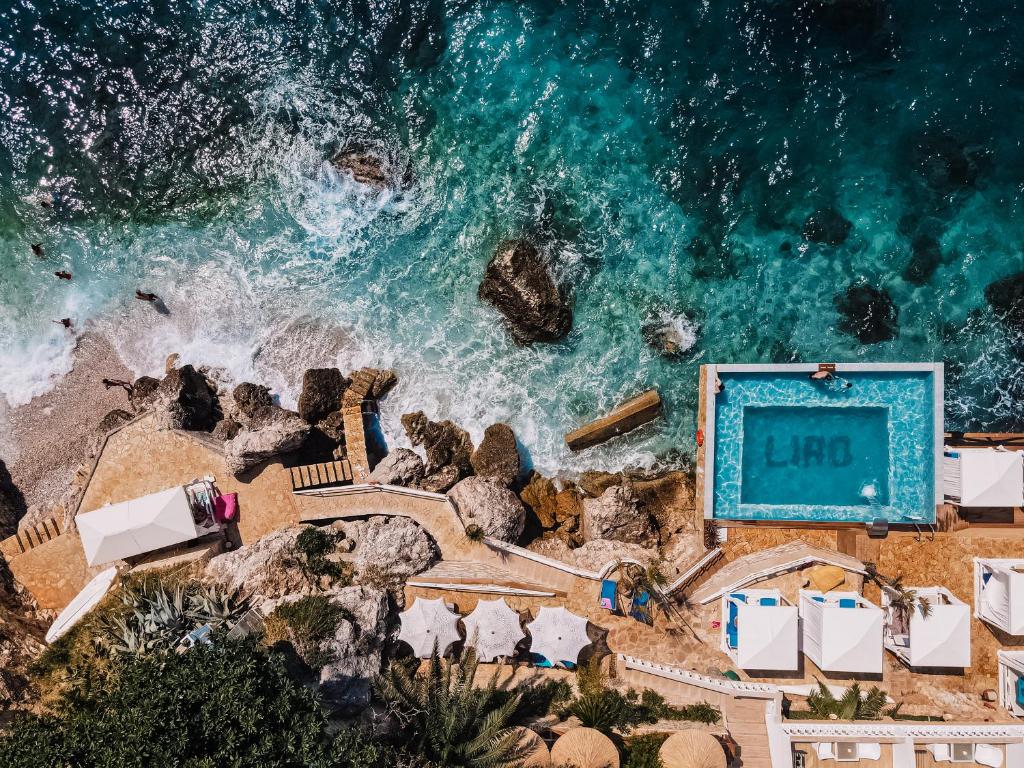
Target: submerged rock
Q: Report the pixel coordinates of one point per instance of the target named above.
(868, 314)
(618, 514)
(272, 432)
(365, 166)
(322, 389)
(827, 226)
(925, 258)
(671, 335)
(946, 163)
(400, 467)
(489, 504)
(519, 285)
(1006, 297)
(188, 399)
(446, 444)
(498, 455)
(250, 397)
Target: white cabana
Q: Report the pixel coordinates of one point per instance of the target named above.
(84, 602)
(134, 527)
(760, 630)
(983, 477)
(999, 593)
(942, 639)
(558, 635)
(1011, 682)
(493, 629)
(426, 624)
(842, 632)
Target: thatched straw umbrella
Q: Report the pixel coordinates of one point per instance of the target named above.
(584, 748)
(692, 749)
(535, 752)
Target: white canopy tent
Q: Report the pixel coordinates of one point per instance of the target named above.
(426, 624)
(1011, 682)
(760, 630)
(999, 593)
(130, 528)
(942, 639)
(493, 629)
(842, 632)
(984, 477)
(558, 635)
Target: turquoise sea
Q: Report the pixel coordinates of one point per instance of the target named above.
(668, 154)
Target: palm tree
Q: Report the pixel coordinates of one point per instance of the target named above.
(449, 720)
(851, 706)
(902, 601)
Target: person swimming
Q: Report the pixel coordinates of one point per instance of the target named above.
(65, 321)
(63, 274)
(143, 296)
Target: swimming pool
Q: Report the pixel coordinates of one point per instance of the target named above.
(863, 446)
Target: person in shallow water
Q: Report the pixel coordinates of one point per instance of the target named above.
(143, 296)
(830, 378)
(65, 321)
(63, 274)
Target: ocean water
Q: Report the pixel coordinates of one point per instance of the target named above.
(667, 155)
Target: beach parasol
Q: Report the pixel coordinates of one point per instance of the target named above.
(584, 748)
(692, 749)
(427, 623)
(535, 753)
(558, 635)
(492, 629)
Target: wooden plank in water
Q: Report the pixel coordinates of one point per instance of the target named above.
(633, 413)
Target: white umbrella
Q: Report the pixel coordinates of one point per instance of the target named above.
(493, 629)
(558, 635)
(427, 623)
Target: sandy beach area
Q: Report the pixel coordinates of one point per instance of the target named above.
(48, 438)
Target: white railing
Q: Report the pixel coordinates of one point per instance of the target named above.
(693, 571)
(827, 731)
(717, 684)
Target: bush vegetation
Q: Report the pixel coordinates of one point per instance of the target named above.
(642, 751)
(314, 545)
(309, 623)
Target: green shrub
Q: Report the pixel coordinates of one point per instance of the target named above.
(313, 620)
(315, 545)
(642, 751)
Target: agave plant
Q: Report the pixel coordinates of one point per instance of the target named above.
(449, 720)
(157, 615)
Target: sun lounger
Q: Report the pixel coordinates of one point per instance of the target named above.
(609, 595)
(640, 609)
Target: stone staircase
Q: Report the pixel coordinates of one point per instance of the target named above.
(323, 475)
(352, 422)
(29, 537)
(745, 719)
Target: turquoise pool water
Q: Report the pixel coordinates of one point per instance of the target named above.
(787, 448)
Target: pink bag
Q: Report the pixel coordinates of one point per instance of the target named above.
(225, 507)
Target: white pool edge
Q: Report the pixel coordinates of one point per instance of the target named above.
(938, 411)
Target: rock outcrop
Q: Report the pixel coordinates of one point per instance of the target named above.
(497, 456)
(366, 167)
(143, 393)
(442, 480)
(322, 389)
(269, 567)
(448, 447)
(400, 467)
(271, 432)
(618, 514)
(355, 650)
(485, 502)
(827, 226)
(594, 555)
(249, 398)
(12, 503)
(868, 314)
(188, 400)
(392, 548)
(519, 285)
(1006, 297)
(113, 420)
(21, 638)
(555, 510)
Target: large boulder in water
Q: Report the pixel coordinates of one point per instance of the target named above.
(620, 515)
(867, 313)
(827, 226)
(322, 389)
(400, 467)
(445, 443)
(188, 399)
(519, 285)
(249, 398)
(485, 502)
(366, 167)
(671, 335)
(1006, 297)
(271, 432)
(498, 455)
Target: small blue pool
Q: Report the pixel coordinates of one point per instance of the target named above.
(860, 447)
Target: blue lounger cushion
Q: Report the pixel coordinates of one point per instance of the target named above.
(847, 602)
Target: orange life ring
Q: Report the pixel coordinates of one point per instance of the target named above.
(700, 437)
